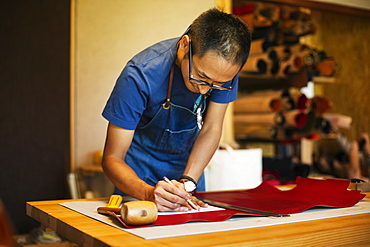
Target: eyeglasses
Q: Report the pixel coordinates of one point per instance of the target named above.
(201, 82)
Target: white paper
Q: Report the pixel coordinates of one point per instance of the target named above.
(88, 208)
(207, 209)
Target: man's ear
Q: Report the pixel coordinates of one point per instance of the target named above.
(184, 43)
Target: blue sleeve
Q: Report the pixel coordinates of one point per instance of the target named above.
(128, 99)
(220, 96)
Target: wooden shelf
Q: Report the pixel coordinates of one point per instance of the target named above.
(90, 170)
(344, 7)
(323, 79)
(250, 82)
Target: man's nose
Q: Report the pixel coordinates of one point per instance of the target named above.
(203, 89)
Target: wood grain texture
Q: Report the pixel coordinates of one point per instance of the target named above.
(346, 38)
(84, 231)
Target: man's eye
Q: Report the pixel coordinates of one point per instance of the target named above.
(202, 77)
(219, 83)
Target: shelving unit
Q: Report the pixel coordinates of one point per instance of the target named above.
(339, 18)
(249, 82)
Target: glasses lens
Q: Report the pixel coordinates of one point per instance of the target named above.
(192, 80)
(200, 83)
(221, 88)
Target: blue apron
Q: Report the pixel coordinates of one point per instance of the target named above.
(162, 147)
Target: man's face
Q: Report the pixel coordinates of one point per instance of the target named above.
(210, 69)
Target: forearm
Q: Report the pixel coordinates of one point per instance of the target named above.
(126, 180)
(202, 151)
(166, 196)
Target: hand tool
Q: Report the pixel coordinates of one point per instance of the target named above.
(132, 213)
(244, 209)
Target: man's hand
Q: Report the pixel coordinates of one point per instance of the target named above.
(173, 197)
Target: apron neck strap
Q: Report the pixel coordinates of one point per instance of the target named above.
(168, 100)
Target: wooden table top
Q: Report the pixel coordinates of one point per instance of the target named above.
(351, 230)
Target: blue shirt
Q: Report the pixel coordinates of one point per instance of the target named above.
(142, 87)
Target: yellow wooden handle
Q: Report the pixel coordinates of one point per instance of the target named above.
(114, 201)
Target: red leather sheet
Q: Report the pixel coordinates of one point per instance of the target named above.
(307, 194)
(163, 220)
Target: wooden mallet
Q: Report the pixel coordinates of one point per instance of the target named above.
(134, 213)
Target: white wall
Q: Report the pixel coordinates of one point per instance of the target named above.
(107, 33)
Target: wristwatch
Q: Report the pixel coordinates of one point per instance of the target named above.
(189, 183)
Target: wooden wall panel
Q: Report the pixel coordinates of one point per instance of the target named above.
(34, 104)
(347, 39)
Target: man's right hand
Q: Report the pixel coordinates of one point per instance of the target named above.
(171, 197)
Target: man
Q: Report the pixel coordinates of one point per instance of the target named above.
(167, 108)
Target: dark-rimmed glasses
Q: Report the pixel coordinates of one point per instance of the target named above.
(201, 82)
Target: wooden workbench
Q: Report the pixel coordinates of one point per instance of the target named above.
(84, 231)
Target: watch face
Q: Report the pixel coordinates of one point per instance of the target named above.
(189, 186)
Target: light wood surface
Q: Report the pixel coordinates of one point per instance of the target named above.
(84, 231)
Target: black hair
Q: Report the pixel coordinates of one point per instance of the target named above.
(225, 34)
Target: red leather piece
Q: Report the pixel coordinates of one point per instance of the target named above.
(177, 219)
(307, 194)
